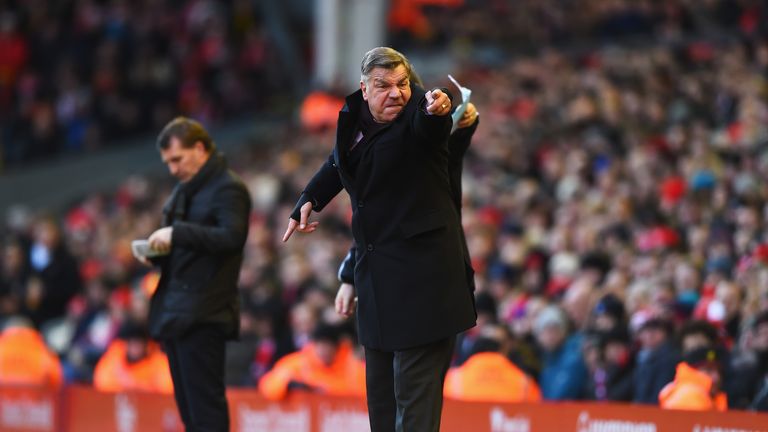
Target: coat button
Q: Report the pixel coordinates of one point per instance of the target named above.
(370, 247)
(360, 204)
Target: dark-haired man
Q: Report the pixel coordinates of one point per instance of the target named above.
(196, 308)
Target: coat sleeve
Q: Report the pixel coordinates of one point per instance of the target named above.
(347, 268)
(432, 130)
(323, 187)
(231, 207)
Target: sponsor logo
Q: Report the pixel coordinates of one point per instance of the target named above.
(586, 424)
(125, 414)
(26, 414)
(273, 419)
(343, 419)
(700, 428)
(500, 422)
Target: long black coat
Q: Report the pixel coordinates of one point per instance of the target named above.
(198, 283)
(458, 144)
(411, 277)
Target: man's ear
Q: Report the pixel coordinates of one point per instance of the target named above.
(200, 147)
(364, 88)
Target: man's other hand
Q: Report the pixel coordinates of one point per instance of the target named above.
(345, 300)
(302, 225)
(468, 118)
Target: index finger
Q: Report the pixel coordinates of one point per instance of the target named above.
(291, 228)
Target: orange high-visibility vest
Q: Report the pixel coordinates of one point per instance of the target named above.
(490, 377)
(345, 376)
(113, 373)
(26, 360)
(691, 391)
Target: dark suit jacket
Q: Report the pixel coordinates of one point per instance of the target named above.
(198, 284)
(411, 276)
(458, 144)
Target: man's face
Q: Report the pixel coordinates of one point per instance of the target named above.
(183, 163)
(135, 349)
(387, 92)
(326, 351)
(551, 337)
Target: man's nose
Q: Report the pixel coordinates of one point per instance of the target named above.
(394, 93)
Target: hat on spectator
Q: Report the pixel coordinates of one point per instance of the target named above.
(550, 316)
(609, 304)
(704, 356)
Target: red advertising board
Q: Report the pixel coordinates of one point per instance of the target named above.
(82, 409)
(25, 409)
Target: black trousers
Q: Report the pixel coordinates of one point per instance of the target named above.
(197, 369)
(405, 388)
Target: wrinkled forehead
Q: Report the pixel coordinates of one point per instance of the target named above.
(396, 75)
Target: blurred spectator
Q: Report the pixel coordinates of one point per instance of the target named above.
(24, 357)
(697, 384)
(697, 334)
(485, 305)
(751, 373)
(54, 278)
(563, 374)
(133, 362)
(656, 360)
(611, 376)
(14, 272)
(326, 365)
(489, 376)
(608, 314)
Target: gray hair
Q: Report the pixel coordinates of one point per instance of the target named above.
(550, 316)
(383, 57)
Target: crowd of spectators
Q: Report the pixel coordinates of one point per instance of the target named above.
(80, 75)
(615, 209)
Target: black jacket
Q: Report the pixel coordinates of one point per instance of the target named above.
(198, 284)
(458, 144)
(411, 275)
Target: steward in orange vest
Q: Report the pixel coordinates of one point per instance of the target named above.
(25, 358)
(133, 362)
(697, 383)
(326, 365)
(488, 376)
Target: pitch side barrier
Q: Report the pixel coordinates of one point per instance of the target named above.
(83, 409)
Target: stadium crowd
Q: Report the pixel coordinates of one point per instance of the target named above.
(615, 209)
(78, 75)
